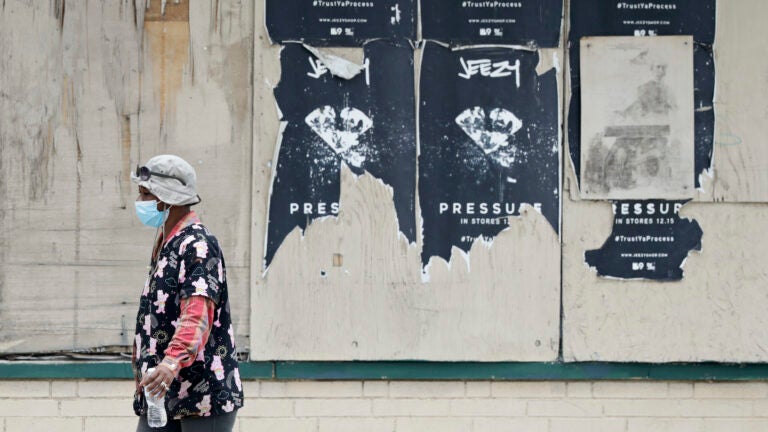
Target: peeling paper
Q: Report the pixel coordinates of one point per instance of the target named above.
(336, 65)
(529, 23)
(489, 145)
(340, 22)
(649, 240)
(684, 17)
(365, 122)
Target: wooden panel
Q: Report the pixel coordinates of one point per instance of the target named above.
(351, 288)
(741, 105)
(96, 90)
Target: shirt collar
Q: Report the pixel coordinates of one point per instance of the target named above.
(188, 219)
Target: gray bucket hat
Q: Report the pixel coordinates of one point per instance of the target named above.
(170, 178)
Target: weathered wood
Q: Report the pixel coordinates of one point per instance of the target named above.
(94, 89)
(351, 287)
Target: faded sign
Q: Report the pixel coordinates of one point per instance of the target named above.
(489, 144)
(340, 22)
(649, 241)
(644, 18)
(637, 118)
(367, 123)
(467, 22)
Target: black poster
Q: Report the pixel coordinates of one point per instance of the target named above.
(367, 123)
(649, 241)
(516, 22)
(649, 18)
(340, 22)
(489, 144)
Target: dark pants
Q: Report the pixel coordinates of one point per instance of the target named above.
(220, 423)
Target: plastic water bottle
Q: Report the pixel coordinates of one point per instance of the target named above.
(156, 416)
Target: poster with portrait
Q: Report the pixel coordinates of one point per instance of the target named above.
(366, 123)
(642, 18)
(534, 23)
(489, 144)
(637, 133)
(340, 22)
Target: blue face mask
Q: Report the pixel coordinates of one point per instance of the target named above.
(148, 213)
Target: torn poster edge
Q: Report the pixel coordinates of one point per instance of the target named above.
(699, 249)
(345, 66)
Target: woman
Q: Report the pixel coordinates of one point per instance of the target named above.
(183, 327)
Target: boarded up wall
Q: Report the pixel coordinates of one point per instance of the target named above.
(89, 89)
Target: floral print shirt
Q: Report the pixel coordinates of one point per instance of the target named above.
(190, 263)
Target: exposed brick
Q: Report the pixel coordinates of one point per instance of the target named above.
(357, 425)
(411, 407)
(25, 389)
(324, 389)
(642, 408)
(733, 425)
(332, 407)
(730, 390)
(104, 388)
(426, 389)
(375, 389)
(251, 388)
(716, 408)
(85, 407)
(63, 389)
(101, 424)
(266, 408)
(665, 425)
(509, 424)
(564, 408)
(588, 425)
(524, 389)
(488, 407)
(433, 424)
(578, 389)
(44, 424)
(680, 390)
(477, 389)
(29, 408)
(278, 425)
(272, 389)
(629, 389)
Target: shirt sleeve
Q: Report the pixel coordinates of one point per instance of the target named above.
(201, 272)
(192, 331)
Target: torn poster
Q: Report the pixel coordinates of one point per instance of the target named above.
(649, 241)
(643, 18)
(489, 144)
(534, 23)
(340, 22)
(637, 121)
(367, 122)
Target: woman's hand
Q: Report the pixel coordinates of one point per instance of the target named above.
(158, 383)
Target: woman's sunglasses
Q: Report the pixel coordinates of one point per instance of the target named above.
(144, 174)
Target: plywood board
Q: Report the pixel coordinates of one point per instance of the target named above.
(352, 288)
(97, 90)
(741, 104)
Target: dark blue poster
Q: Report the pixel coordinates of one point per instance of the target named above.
(489, 144)
(649, 241)
(367, 123)
(534, 23)
(638, 258)
(649, 18)
(340, 22)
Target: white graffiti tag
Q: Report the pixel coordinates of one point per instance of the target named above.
(487, 68)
